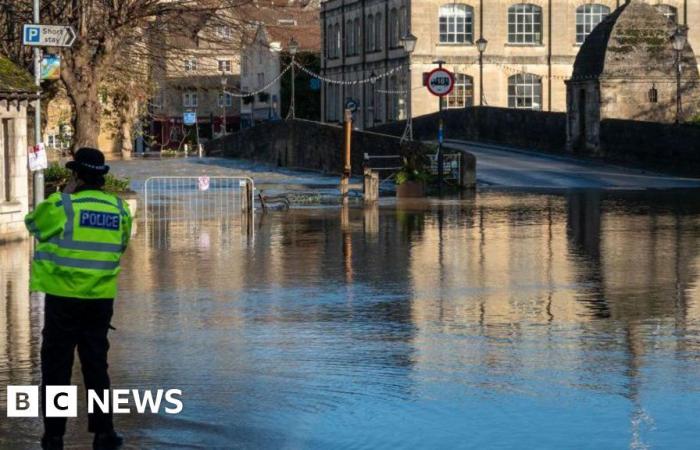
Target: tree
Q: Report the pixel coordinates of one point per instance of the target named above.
(119, 44)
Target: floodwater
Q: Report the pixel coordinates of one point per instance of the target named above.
(499, 320)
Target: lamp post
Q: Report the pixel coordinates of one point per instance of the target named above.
(293, 49)
(481, 44)
(679, 41)
(373, 83)
(223, 104)
(408, 43)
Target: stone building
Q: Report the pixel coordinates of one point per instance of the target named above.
(16, 89)
(200, 56)
(627, 69)
(530, 53)
(261, 58)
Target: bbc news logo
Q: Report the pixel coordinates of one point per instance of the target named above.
(62, 401)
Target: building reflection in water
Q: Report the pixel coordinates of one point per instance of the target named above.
(494, 294)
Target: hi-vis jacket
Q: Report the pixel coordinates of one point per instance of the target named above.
(81, 239)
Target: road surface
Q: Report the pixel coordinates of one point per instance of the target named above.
(508, 167)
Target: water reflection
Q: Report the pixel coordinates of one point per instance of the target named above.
(496, 320)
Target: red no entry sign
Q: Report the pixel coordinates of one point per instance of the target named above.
(440, 82)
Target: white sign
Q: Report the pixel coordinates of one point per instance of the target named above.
(440, 82)
(48, 35)
(203, 183)
(37, 158)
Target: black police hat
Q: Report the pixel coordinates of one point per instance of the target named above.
(88, 160)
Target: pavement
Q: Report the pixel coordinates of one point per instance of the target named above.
(510, 167)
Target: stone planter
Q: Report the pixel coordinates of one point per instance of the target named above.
(410, 189)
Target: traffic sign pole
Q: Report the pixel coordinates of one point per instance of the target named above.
(441, 136)
(39, 174)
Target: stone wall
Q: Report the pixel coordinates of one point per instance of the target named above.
(516, 127)
(311, 145)
(656, 146)
(14, 195)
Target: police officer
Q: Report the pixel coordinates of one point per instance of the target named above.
(82, 234)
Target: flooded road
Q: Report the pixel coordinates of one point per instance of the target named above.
(500, 320)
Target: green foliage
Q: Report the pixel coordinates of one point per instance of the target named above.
(415, 168)
(56, 177)
(695, 120)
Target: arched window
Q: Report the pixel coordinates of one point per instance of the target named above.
(338, 41)
(524, 24)
(403, 22)
(357, 34)
(369, 45)
(456, 24)
(587, 18)
(329, 41)
(525, 91)
(393, 28)
(463, 93)
(349, 39)
(668, 11)
(378, 32)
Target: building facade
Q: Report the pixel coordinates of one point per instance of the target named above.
(16, 90)
(530, 52)
(262, 58)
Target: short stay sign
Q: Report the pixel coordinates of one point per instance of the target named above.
(440, 82)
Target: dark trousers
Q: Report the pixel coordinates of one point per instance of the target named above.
(71, 323)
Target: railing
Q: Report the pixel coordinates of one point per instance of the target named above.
(180, 206)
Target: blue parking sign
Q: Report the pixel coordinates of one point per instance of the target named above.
(32, 34)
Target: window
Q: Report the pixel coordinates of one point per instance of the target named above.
(463, 93)
(190, 64)
(456, 24)
(7, 160)
(525, 91)
(189, 99)
(261, 80)
(244, 64)
(338, 41)
(225, 65)
(357, 34)
(229, 100)
(524, 24)
(587, 18)
(329, 42)
(223, 32)
(349, 38)
(379, 43)
(370, 45)
(668, 11)
(393, 28)
(403, 22)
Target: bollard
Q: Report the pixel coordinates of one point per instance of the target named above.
(347, 169)
(371, 186)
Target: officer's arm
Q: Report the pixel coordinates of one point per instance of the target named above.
(47, 219)
(127, 220)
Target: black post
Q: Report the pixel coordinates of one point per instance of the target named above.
(441, 137)
(481, 78)
(679, 105)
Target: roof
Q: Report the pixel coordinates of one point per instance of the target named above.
(632, 42)
(14, 79)
(282, 23)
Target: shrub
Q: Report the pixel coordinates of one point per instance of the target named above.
(56, 177)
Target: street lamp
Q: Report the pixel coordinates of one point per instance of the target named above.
(293, 47)
(679, 41)
(223, 103)
(408, 43)
(481, 44)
